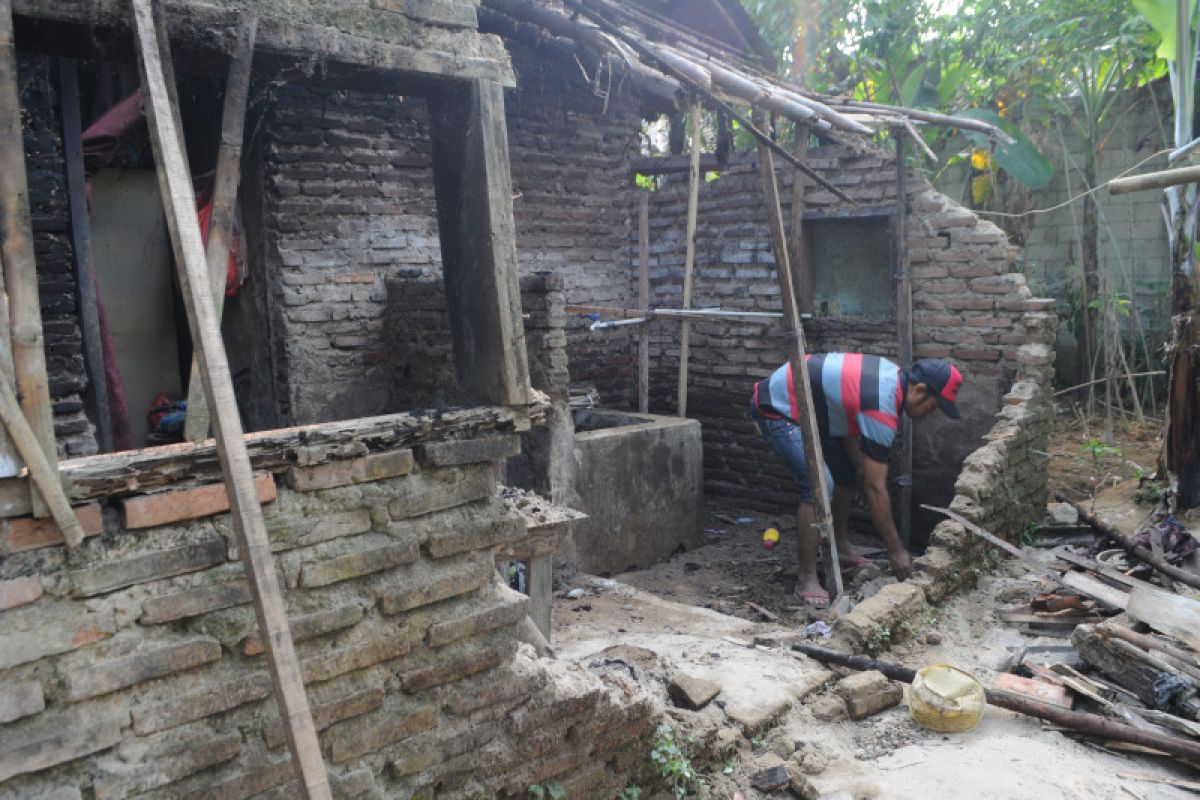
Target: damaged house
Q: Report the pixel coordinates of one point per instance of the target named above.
(433, 230)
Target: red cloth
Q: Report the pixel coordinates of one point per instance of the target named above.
(104, 136)
(232, 281)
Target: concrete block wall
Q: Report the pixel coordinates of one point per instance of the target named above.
(133, 665)
(966, 307)
(55, 255)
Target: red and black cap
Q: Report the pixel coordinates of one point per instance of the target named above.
(943, 379)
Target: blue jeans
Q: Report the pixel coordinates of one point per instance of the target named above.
(786, 440)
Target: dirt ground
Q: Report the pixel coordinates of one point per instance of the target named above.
(700, 613)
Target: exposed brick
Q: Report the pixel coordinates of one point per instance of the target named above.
(19, 591)
(449, 541)
(212, 699)
(112, 575)
(968, 354)
(20, 699)
(430, 586)
(168, 764)
(360, 784)
(62, 634)
(341, 708)
(348, 741)
(345, 659)
(374, 467)
(29, 533)
(454, 667)
(510, 612)
(336, 525)
(468, 451)
(353, 565)
(310, 626)
(868, 693)
(60, 743)
(191, 602)
(254, 781)
(425, 499)
(163, 508)
(151, 663)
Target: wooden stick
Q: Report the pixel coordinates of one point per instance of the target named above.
(644, 301)
(1090, 724)
(81, 239)
(1140, 553)
(20, 269)
(1154, 180)
(41, 472)
(798, 362)
(904, 331)
(689, 257)
(797, 247)
(175, 186)
(224, 203)
(754, 130)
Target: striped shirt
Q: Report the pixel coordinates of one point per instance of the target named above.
(853, 395)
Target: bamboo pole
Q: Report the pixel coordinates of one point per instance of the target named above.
(1090, 724)
(798, 362)
(904, 330)
(797, 247)
(178, 201)
(224, 203)
(689, 257)
(20, 269)
(644, 301)
(1154, 180)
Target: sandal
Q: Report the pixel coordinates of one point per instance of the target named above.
(818, 600)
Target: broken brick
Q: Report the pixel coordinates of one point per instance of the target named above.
(163, 508)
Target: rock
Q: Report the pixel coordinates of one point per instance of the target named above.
(933, 637)
(1063, 513)
(690, 692)
(868, 693)
(829, 708)
(814, 764)
(773, 779)
(799, 785)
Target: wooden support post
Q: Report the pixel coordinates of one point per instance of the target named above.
(224, 203)
(20, 270)
(904, 333)
(479, 254)
(797, 246)
(797, 360)
(178, 198)
(644, 302)
(689, 257)
(81, 239)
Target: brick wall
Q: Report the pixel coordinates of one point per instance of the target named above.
(966, 307)
(134, 664)
(55, 255)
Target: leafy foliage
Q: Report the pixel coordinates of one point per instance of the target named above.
(673, 764)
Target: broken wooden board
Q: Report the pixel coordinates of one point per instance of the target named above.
(1040, 690)
(1170, 613)
(1099, 591)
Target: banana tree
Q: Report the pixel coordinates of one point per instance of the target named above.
(1176, 23)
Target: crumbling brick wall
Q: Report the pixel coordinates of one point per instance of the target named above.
(55, 255)
(349, 205)
(966, 307)
(134, 663)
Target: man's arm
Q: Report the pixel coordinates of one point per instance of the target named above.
(879, 503)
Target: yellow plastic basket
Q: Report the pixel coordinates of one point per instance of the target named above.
(946, 699)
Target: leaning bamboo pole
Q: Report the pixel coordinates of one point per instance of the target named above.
(689, 258)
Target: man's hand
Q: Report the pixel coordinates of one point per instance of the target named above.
(901, 562)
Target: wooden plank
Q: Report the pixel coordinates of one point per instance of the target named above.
(224, 203)
(1098, 590)
(798, 249)
(175, 186)
(24, 329)
(689, 257)
(81, 239)
(479, 255)
(644, 302)
(1172, 614)
(43, 474)
(798, 362)
(904, 331)
(1115, 576)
